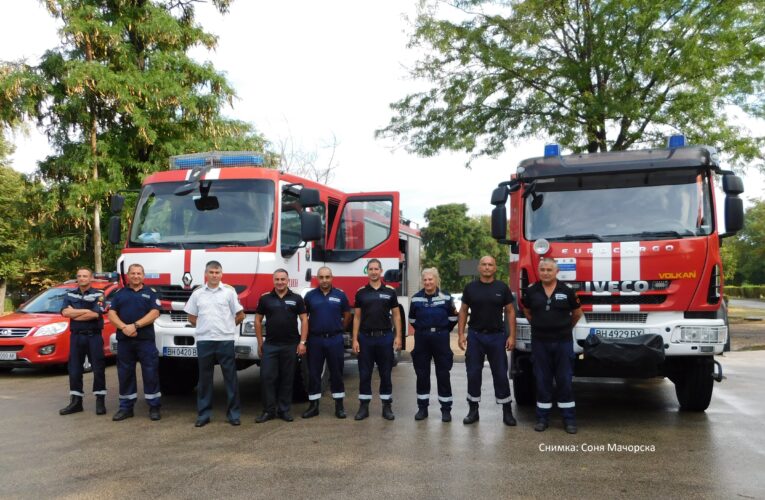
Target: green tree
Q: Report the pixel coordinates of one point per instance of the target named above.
(14, 233)
(590, 75)
(451, 236)
(749, 248)
(116, 99)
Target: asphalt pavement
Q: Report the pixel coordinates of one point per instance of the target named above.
(633, 443)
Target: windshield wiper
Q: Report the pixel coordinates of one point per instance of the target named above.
(574, 237)
(658, 234)
(227, 243)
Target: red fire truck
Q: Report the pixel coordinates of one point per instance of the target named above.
(635, 234)
(253, 220)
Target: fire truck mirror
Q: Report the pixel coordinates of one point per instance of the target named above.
(734, 215)
(117, 202)
(115, 229)
(499, 196)
(392, 276)
(309, 197)
(310, 226)
(499, 223)
(732, 184)
(205, 203)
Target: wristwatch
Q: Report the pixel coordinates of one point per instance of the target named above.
(304, 342)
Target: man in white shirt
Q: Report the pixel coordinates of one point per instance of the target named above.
(215, 311)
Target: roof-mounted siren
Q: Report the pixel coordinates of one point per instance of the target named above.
(552, 150)
(676, 141)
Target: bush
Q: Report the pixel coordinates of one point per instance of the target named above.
(746, 291)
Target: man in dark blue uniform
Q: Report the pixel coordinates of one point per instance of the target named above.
(432, 314)
(328, 316)
(552, 309)
(133, 311)
(373, 339)
(281, 308)
(487, 299)
(84, 306)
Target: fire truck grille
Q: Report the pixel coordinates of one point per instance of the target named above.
(622, 299)
(13, 332)
(173, 293)
(179, 317)
(616, 317)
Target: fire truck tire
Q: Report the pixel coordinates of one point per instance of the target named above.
(522, 374)
(694, 386)
(177, 376)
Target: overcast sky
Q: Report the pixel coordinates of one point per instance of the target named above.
(312, 70)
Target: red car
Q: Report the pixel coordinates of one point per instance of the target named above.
(37, 334)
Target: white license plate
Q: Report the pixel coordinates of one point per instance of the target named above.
(617, 333)
(180, 352)
(8, 356)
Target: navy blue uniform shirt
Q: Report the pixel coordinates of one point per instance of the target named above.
(131, 305)
(92, 300)
(375, 307)
(551, 316)
(326, 311)
(281, 316)
(432, 312)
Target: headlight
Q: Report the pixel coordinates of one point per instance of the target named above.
(52, 329)
(248, 329)
(541, 246)
(700, 335)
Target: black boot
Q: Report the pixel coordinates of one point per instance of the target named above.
(339, 408)
(387, 412)
(472, 416)
(75, 405)
(507, 415)
(446, 414)
(422, 413)
(363, 411)
(313, 409)
(100, 405)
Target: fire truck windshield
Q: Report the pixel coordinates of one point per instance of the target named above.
(243, 215)
(613, 207)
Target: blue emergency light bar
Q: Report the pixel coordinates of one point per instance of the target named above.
(217, 159)
(676, 141)
(552, 150)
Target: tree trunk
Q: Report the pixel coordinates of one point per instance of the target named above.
(3, 285)
(97, 208)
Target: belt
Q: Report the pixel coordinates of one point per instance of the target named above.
(432, 330)
(486, 331)
(377, 333)
(326, 335)
(87, 332)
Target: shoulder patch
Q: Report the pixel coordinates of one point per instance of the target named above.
(361, 288)
(264, 294)
(388, 286)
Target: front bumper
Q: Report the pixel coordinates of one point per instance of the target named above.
(176, 338)
(681, 336)
(31, 351)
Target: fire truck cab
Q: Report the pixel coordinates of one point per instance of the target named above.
(635, 234)
(253, 220)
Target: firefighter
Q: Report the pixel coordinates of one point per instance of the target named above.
(281, 308)
(552, 309)
(133, 311)
(84, 306)
(487, 299)
(432, 314)
(328, 316)
(374, 340)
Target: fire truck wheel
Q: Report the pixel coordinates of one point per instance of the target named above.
(522, 374)
(178, 376)
(694, 386)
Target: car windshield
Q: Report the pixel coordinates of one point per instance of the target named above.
(234, 213)
(653, 205)
(48, 301)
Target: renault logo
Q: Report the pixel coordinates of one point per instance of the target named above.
(187, 279)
